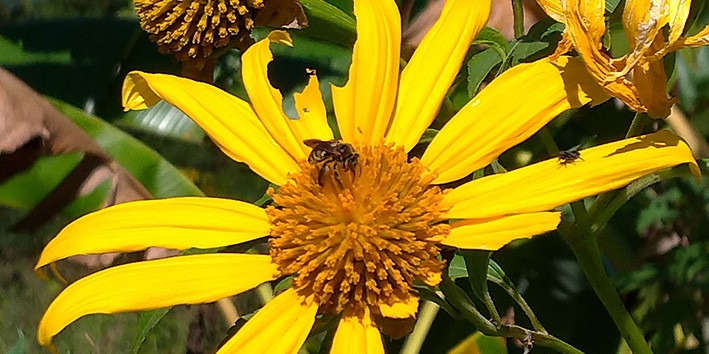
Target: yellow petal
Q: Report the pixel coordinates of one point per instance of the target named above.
(357, 335)
(279, 327)
(697, 40)
(553, 9)
(176, 223)
(312, 121)
(548, 184)
(506, 112)
(229, 121)
(642, 21)
(651, 82)
(364, 106)
(266, 100)
(432, 68)
(678, 11)
(155, 284)
(492, 234)
(403, 309)
(585, 26)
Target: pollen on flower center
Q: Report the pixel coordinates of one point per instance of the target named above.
(191, 28)
(363, 237)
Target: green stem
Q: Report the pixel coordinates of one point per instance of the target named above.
(640, 122)
(589, 257)
(461, 302)
(518, 13)
(426, 315)
(536, 324)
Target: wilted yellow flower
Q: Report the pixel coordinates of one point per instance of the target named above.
(355, 238)
(653, 29)
(193, 28)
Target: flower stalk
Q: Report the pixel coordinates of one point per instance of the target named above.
(518, 13)
(588, 254)
(461, 302)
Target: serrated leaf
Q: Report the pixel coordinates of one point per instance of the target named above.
(492, 37)
(526, 51)
(479, 67)
(476, 262)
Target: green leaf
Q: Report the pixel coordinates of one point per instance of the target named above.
(148, 321)
(477, 264)
(154, 172)
(492, 37)
(527, 51)
(19, 347)
(611, 5)
(89, 202)
(329, 23)
(480, 343)
(428, 135)
(479, 67)
(164, 120)
(456, 268)
(24, 190)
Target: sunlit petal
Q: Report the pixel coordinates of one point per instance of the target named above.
(312, 121)
(432, 68)
(155, 284)
(553, 9)
(651, 82)
(279, 327)
(492, 234)
(229, 121)
(509, 110)
(697, 40)
(548, 184)
(642, 21)
(365, 104)
(403, 309)
(176, 223)
(268, 101)
(357, 335)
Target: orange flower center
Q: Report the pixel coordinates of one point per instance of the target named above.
(359, 238)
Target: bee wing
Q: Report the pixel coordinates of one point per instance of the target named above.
(312, 143)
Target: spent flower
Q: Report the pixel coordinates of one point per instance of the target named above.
(653, 29)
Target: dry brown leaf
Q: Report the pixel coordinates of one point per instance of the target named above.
(30, 127)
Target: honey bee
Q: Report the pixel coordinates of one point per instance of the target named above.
(331, 153)
(569, 156)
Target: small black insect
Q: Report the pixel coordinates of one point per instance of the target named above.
(331, 153)
(569, 156)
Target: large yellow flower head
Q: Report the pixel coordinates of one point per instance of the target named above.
(653, 28)
(355, 222)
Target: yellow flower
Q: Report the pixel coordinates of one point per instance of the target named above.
(354, 237)
(653, 29)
